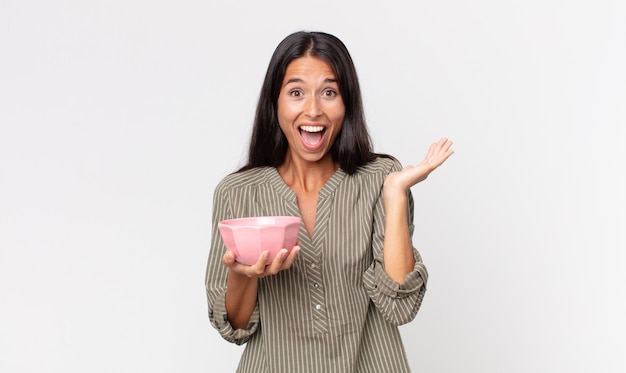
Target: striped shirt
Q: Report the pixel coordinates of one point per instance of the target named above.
(335, 309)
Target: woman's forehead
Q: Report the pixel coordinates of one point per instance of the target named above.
(307, 68)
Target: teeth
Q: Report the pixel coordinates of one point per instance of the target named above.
(312, 128)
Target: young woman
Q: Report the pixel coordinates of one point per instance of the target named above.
(334, 302)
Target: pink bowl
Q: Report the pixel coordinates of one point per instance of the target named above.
(248, 237)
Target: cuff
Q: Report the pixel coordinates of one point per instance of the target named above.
(413, 282)
(219, 320)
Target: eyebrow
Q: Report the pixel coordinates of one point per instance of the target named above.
(299, 80)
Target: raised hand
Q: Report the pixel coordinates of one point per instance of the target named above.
(410, 175)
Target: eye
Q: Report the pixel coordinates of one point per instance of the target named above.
(329, 93)
(295, 93)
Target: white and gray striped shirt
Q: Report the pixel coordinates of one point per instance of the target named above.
(335, 309)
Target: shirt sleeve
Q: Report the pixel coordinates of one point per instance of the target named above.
(216, 277)
(398, 303)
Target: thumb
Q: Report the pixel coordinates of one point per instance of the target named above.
(229, 258)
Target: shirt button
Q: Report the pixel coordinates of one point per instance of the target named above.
(318, 306)
(313, 265)
(315, 284)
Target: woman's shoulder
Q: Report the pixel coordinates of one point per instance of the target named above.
(240, 179)
(382, 164)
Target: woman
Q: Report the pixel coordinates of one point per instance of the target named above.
(333, 303)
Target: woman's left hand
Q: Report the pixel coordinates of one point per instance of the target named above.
(401, 181)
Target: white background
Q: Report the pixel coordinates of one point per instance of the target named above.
(118, 118)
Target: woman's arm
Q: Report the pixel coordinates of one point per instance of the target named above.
(242, 283)
(232, 287)
(398, 250)
(396, 279)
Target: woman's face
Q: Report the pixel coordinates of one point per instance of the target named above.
(310, 108)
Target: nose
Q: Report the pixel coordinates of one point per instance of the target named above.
(312, 107)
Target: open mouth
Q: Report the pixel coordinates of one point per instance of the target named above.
(312, 135)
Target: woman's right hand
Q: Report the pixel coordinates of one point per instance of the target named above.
(283, 260)
(241, 293)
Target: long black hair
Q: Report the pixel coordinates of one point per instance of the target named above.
(268, 145)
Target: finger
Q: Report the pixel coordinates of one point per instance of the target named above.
(291, 257)
(277, 263)
(432, 150)
(228, 259)
(258, 268)
(439, 151)
(441, 145)
(446, 150)
(446, 145)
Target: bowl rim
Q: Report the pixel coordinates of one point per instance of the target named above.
(228, 222)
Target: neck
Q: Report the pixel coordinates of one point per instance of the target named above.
(307, 176)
